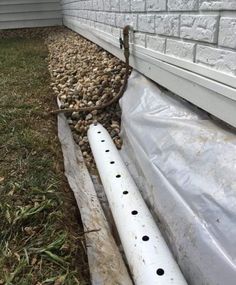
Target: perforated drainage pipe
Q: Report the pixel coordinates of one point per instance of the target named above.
(149, 258)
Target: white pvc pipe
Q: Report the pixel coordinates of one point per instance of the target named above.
(149, 258)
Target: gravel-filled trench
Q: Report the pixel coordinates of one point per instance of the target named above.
(83, 74)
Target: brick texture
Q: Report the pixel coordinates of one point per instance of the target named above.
(199, 28)
(183, 5)
(217, 59)
(156, 5)
(138, 5)
(227, 33)
(146, 23)
(190, 30)
(115, 5)
(180, 49)
(125, 5)
(217, 4)
(167, 25)
(140, 39)
(155, 43)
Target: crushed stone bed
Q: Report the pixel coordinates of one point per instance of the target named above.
(84, 75)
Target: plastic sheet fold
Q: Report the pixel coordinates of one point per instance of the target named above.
(185, 165)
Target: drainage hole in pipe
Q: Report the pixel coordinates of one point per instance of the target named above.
(112, 162)
(102, 140)
(134, 212)
(160, 271)
(145, 238)
(107, 150)
(118, 176)
(125, 192)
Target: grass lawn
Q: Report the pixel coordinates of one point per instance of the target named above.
(41, 238)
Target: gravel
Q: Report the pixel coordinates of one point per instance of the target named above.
(83, 74)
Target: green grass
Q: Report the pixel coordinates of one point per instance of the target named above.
(40, 237)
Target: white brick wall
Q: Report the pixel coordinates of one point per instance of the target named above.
(217, 4)
(191, 30)
(180, 49)
(167, 25)
(131, 19)
(137, 5)
(155, 43)
(115, 5)
(199, 28)
(146, 23)
(183, 5)
(124, 5)
(156, 5)
(217, 58)
(227, 33)
(140, 39)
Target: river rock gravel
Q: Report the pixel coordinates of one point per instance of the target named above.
(83, 74)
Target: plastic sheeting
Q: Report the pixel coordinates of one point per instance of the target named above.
(185, 164)
(105, 260)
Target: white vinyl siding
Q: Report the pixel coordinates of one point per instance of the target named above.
(29, 13)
